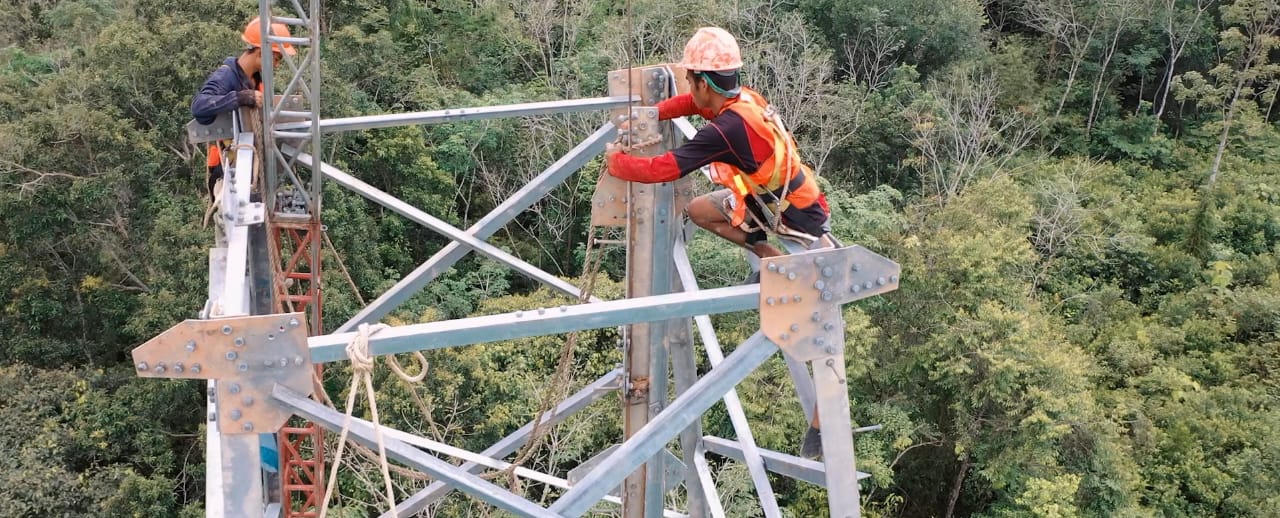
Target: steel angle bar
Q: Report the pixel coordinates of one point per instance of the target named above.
(806, 470)
(737, 415)
(465, 114)
(363, 433)
(440, 226)
(545, 321)
(686, 408)
(509, 444)
(491, 463)
(540, 186)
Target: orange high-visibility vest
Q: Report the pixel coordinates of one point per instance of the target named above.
(774, 173)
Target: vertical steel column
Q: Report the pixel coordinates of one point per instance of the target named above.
(837, 436)
(651, 232)
(295, 230)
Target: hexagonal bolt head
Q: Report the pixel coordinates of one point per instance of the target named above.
(248, 427)
(235, 414)
(191, 346)
(239, 341)
(142, 366)
(293, 322)
(234, 388)
(195, 368)
(231, 355)
(159, 369)
(226, 330)
(243, 367)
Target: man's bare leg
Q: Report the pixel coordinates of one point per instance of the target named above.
(704, 213)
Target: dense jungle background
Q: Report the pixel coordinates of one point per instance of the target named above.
(1083, 195)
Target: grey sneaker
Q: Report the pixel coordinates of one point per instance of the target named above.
(811, 448)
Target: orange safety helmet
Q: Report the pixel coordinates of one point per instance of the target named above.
(712, 49)
(253, 36)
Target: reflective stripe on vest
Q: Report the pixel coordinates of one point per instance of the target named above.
(775, 175)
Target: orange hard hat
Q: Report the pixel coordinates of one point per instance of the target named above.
(712, 49)
(253, 36)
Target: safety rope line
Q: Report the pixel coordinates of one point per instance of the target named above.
(593, 261)
(362, 364)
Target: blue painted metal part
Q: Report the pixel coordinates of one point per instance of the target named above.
(683, 411)
(533, 191)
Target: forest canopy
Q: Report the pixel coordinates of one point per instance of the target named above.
(1084, 197)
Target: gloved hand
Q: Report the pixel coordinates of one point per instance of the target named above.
(247, 97)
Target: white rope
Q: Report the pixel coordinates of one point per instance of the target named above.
(362, 373)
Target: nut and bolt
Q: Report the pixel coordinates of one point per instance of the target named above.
(226, 330)
(828, 326)
(819, 285)
(177, 368)
(243, 367)
(234, 388)
(142, 366)
(769, 301)
(248, 400)
(773, 267)
(191, 346)
(893, 278)
(239, 341)
(795, 298)
(815, 316)
(826, 296)
(880, 281)
(293, 322)
(795, 328)
(830, 350)
(791, 276)
(827, 272)
(195, 368)
(159, 368)
(231, 355)
(235, 414)
(284, 362)
(248, 427)
(297, 360)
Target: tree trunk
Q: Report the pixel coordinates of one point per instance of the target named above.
(956, 485)
(1226, 129)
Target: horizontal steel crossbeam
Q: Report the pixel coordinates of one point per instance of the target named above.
(546, 321)
(463, 114)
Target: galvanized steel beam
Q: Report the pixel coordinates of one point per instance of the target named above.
(462, 114)
(589, 394)
(438, 225)
(363, 433)
(545, 321)
(524, 198)
(679, 415)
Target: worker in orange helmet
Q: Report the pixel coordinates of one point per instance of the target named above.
(751, 154)
(237, 83)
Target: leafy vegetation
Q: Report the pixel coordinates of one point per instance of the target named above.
(1084, 197)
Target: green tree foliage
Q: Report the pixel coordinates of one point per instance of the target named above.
(1082, 328)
